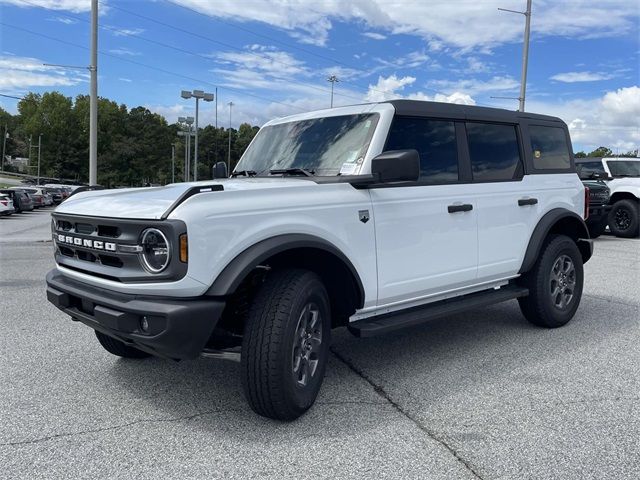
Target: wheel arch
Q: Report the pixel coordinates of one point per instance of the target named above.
(617, 196)
(339, 275)
(557, 221)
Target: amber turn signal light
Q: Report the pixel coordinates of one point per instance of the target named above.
(184, 248)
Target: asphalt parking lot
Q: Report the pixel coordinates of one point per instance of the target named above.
(480, 395)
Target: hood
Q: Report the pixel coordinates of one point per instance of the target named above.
(155, 202)
(596, 185)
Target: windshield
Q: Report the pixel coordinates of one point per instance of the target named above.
(322, 146)
(629, 168)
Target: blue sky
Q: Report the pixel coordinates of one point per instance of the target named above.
(273, 58)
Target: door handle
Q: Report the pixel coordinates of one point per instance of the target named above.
(527, 201)
(465, 207)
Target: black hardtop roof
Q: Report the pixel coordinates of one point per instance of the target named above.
(472, 112)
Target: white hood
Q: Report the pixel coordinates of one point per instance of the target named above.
(154, 202)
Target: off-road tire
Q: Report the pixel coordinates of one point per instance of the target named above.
(118, 348)
(629, 225)
(271, 344)
(541, 306)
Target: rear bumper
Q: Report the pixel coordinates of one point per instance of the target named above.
(598, 214)
(177, 328)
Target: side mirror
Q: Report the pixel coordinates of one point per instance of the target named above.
(396, 166)
(220, 170)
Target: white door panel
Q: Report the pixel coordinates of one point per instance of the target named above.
(422, 248)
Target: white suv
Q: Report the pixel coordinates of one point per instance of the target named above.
(375, 217)
(622, 176)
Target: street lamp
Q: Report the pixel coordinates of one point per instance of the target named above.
(230, 106)
(4, 146)
(188, 121)
(198, 95)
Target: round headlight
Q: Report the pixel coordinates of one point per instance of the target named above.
(156, 251)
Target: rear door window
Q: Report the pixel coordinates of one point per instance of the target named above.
(550, 148)
(435, 141)
(494, 150)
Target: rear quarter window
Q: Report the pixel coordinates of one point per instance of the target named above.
(550, 149)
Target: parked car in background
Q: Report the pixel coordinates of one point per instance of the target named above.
(622, 176)
(56, 194)
(86, 188)
(21, 200)
(38, 196)
(6, 205)
(599, 207)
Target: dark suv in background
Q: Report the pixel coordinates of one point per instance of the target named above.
(599, 208)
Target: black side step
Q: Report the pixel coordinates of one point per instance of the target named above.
(380, 324)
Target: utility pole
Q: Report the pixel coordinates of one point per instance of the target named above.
(93, 101)
(4, 146)
(333, 79)
(173, 163)
(39, 150)
(525, 52)
(229, 161)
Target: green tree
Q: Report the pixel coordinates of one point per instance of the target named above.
(600, 152)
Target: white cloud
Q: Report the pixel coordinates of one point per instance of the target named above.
(126, 32)
(475, 86)
(122, 79)
(612, 120)
(65, 20)
(70, 5)
(124, 52)
(573, 77)
(389, 88)
(374, 35)
(27, 72)
(481, 26)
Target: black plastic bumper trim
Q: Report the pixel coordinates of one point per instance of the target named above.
(178, 328)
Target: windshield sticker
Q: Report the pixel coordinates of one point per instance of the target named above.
(349, 168)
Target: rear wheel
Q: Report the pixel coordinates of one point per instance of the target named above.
(554, 283)
(118, 348)
(623, 219)
(286, 344)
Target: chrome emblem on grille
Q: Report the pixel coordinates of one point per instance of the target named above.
(86, 243)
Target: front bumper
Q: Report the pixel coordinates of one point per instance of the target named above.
(177, 328)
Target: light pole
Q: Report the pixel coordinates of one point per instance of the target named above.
(39, 150)
(173, 163)
(188, 121)
(93, 97)
(333, 79)
(229, 166)
(4, 146)
(198, 95)
(525, 52)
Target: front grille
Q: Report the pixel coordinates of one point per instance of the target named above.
(98, 246)
(599, 197)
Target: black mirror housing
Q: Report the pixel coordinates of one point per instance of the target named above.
(396, 166)
(220, 170)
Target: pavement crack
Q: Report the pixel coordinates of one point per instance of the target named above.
(431, 434)
(113, 427)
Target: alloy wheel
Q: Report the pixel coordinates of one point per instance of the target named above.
(562, 282)
(307, 345)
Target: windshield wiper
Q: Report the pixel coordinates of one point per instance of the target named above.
(292, 171)
(246, 173)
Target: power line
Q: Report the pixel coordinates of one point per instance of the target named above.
(195, 54)
(168, 72)
(233, 47)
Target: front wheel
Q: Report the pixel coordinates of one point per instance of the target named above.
(623, 219)
(554, 283)
(286, 344)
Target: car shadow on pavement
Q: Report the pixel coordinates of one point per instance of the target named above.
(444, 354)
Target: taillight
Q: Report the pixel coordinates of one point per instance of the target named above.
(586, 202)
(4, 202)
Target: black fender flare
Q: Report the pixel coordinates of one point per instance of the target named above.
(544, 227)
(237, 270)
